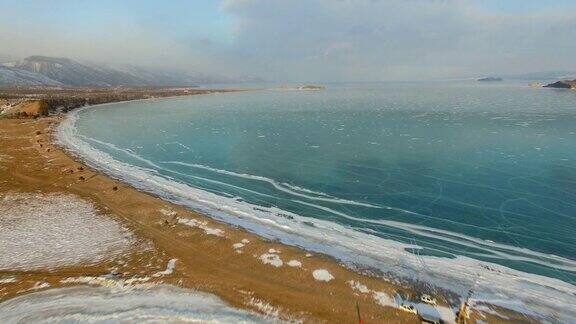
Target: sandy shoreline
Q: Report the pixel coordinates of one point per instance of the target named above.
(241, 268)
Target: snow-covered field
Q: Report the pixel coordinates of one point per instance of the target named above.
(158, 304)
(51, 231)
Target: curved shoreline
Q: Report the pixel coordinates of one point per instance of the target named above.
(303, 286)
(209, 256)
(181, 196)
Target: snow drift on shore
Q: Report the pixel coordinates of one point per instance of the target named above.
(160, 304)
(493, 283)
(49, 231)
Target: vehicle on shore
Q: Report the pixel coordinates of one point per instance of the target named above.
(409, 308)
(428, 299)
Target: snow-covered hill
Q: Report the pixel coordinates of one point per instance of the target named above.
(50, 71)
(19, 77)
(72, 73)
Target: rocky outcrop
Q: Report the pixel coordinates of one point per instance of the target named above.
(565, 84)
(490, 79)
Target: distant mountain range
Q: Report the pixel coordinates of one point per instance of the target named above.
(52, 71)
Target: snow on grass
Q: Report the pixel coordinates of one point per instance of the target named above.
(294, 263)
(214, 231)
(40, 285)
(271, 259)
(168, 212)
(51, 231)
(7, 280)
(202, 225)
(383, 299)
(273, 251)
(111, 282)
(264, 307)
(169, 269)
(238, 246)
(322, 275)
(156, 304)
(357, 286)
(106, 281)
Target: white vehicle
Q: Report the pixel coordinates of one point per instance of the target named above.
(409, 308)
(428, 299)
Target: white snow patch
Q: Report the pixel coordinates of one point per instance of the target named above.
(245, 241)
(202, 225)
(50, 231)
(264, 307)
(168, 212)
(214, 231)
(357, 286)
(237, 245)
(169, 269)
(156, 304)
(273, 251)
(383, 299)
(271, 259)
(7, 280)
(294, 263)
(322, 275)
(104, 281)
(40, 285)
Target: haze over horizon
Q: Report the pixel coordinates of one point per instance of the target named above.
(313, 40)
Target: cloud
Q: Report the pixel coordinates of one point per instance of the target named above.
(395, 39)
(305, 40)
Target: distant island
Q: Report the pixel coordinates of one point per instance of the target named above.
(308, 87)
(564, 84)
(490, 79)
(312, 87)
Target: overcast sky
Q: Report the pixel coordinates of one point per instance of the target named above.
(301, 40)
